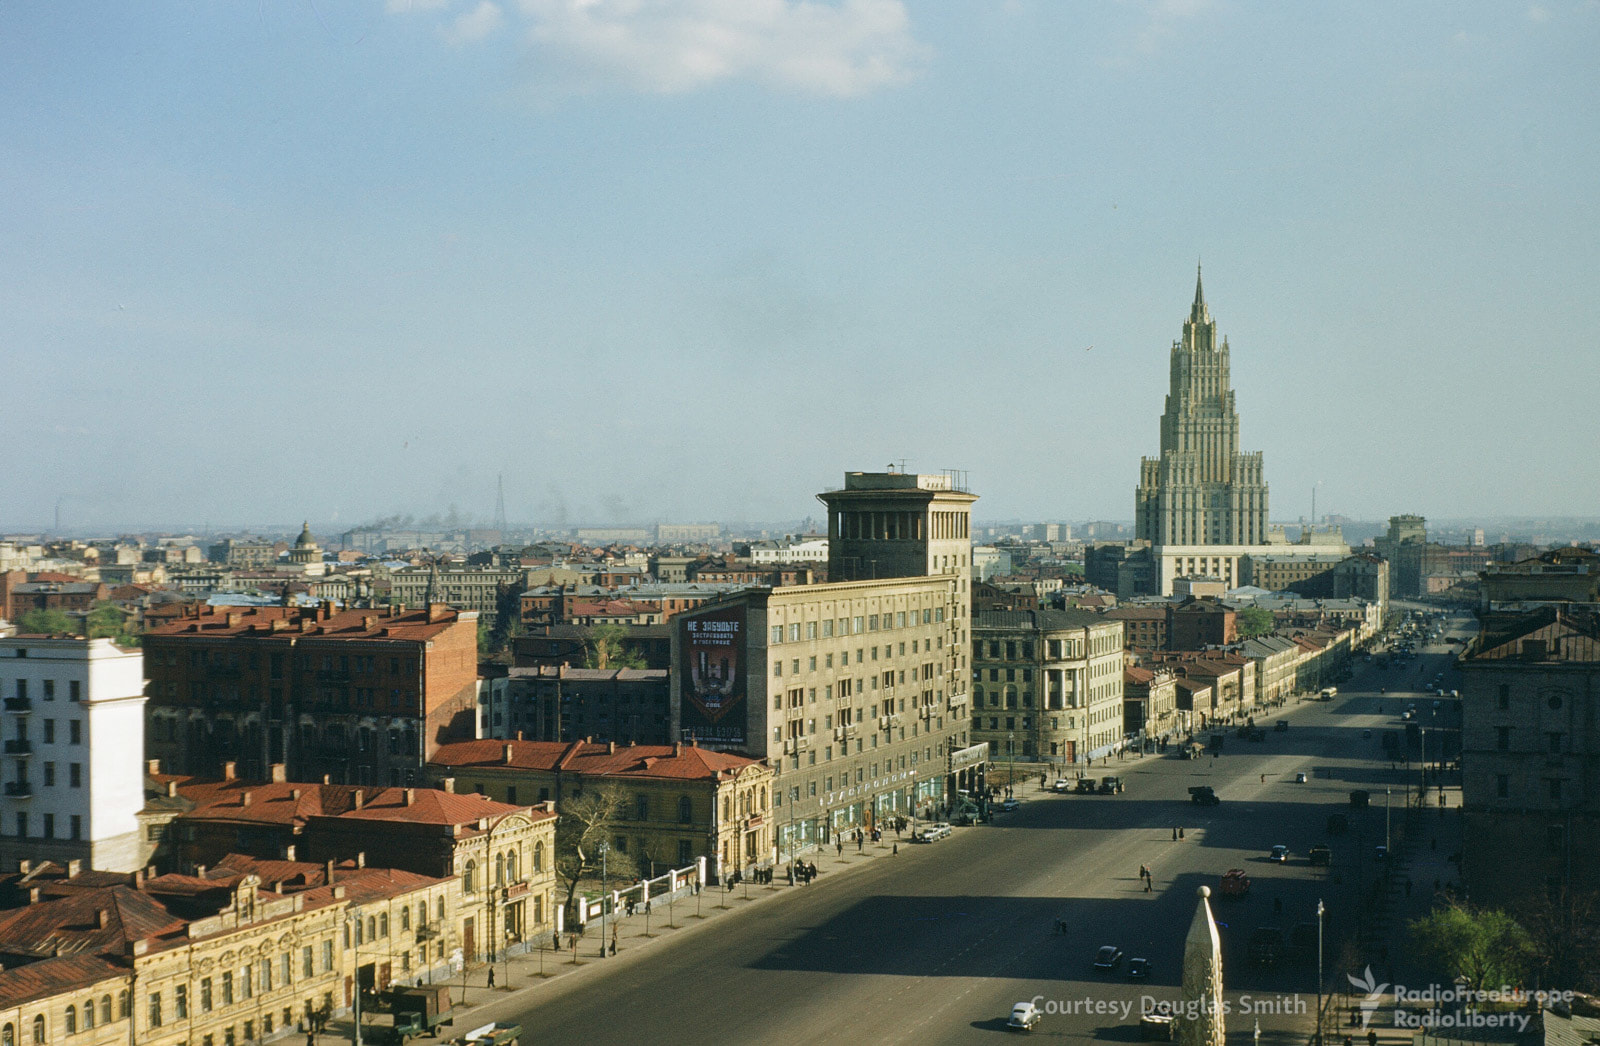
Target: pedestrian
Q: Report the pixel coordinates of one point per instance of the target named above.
(838, 846)
(1372, 1037)
(613, 945)
(858, 842)
(311, 1038)
(896, 851)
(1174, 834)
(491, 976)
(812, 869)
(1149, 884)
(1263, 778)
(1180, 832)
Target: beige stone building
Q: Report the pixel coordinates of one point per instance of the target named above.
(854, 691)
(682, 801)
(1047, 685)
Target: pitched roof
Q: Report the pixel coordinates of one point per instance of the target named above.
(679, 762)
(39, 980)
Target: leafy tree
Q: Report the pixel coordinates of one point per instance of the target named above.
(1484, 945)
(46, 622)
(1255, 621)
(586, 822)
(606, 646)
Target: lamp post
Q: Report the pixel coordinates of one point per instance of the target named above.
(1011, 760)
(1386, 822)
(605, 892)
(1319, 971)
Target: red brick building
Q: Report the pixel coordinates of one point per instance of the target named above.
(363, 696)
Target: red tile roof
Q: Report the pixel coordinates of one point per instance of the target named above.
(20, 985)
(678, 762)
(324, 622)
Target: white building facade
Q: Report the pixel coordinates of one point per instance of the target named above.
(72, 723)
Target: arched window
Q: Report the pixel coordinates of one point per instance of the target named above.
(383, 924)
(8, 1036)
(499, 869)
(439, 908)
(405, 918)
(422, 914)
(685, 810)
(511, 866)
(38, 1030)
(72, 1020)
(538, 857)
(105, 1009)
(469, 878)
(88, 1015)
(372, 928)
(124, 1005)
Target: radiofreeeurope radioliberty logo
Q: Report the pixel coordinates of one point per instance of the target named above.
(1374, 990)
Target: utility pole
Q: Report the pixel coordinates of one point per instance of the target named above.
(605, 895)
(1319, 971)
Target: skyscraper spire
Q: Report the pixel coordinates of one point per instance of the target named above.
(1197, 312)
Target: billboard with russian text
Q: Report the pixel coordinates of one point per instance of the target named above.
(713, 679)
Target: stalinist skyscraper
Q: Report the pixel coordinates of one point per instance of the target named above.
(1203, 503)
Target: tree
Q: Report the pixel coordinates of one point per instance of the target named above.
(109, 621)
(1255, 621)
(1565, 930)
(586, 821)
(606, 646)
(47, 622)
(1484, 945)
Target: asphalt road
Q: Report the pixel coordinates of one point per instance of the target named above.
(936, 944)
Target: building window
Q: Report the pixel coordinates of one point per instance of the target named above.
(1502, 740)
(1505, 695)
(1555, 743)
(75, 772)
(227, 989)
(38, 1030)
(469, 878)
(74, 732)
(155, 1009)
(306, 969)
(71, 1018)
(327, 956)
(180, 1003)
(1502, 786)
(105, 1009)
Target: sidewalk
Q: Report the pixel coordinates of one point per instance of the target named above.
(520, 975)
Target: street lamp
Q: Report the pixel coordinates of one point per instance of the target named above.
(1319, 971)
(1011, 760)
(1386, 822)
(605, 892)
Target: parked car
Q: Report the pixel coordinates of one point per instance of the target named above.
(1085, 786)
(1300, 778)
(1062, 785)
(1282, 725)
(1279, 853)
(1010, 804)
(1109, 957)
(1321, 855)
(1203, 795)
(1024, 1015)
(1156, 1026)
(931, 833)
(1138, 969)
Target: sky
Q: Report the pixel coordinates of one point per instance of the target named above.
(694, 259)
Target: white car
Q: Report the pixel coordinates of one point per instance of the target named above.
(932, 833)
(1061, 785)
(1024, 1015)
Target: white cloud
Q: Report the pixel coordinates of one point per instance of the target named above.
(670, 46)
(474, 25)
(398, 7)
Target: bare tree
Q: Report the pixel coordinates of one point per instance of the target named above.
(586, 821)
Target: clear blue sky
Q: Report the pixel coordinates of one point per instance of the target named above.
(690, 260)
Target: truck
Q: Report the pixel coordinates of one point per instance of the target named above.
(1110, 785)
(496, 1034)
(1203, 795)
(1235, 884)
(1329, 693)
(1266, 945)
(418, 1011)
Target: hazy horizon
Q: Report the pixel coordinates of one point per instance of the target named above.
(695, 259)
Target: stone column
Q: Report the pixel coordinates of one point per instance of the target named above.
(1200, 1022)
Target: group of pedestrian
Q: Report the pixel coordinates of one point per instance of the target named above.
(763, 876)
(1177, 833)
(1147, 878)
(803, 871)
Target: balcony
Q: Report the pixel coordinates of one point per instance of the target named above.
(19, 789)
(19, 704)
(19, 746)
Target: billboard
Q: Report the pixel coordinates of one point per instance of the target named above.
(713, 678)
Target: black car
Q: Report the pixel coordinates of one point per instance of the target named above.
(1109, 957)
(1138, 969)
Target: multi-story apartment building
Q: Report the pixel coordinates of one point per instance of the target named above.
(1150, 703)
(855, 691)
(363, 696)
(476, 589)
(72, 719)
(1530, 759)
(560, 703)
(500, 855)
(682, 801)
(1047, 685)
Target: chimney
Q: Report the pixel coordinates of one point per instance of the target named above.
(361, 799)
(361, 859)
(277, 887)
(338, 893)
(611, 748)
(152, 766)
(288, 852)
(74, 866)
(411, 796)
(102, 918)
(200, 871)
(328, 871)
(230, 771)
(33, 895)
(519, 735)
(24, 867)
(677, 748)
(294, 793)
(369, 622)
(505, 752)
(449, 785)
(278, 774)
(244, 799)
(327, 779)
(234, 620)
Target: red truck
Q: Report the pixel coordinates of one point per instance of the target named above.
(1235, 883)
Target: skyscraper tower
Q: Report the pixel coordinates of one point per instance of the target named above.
(1202, 490)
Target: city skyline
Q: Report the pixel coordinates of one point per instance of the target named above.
(694, 260)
